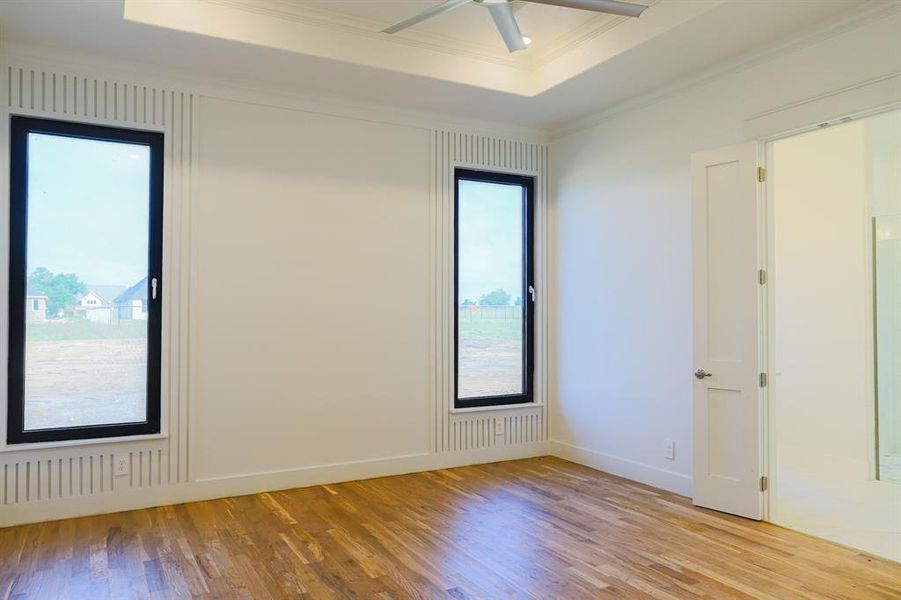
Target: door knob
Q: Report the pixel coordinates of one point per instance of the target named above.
(701, 374)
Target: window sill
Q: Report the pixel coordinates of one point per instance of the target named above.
(89, 442)
(477, 409)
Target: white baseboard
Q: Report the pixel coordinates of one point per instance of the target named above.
(221, 487)
(653, 476)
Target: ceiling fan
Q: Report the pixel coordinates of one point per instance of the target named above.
(502, 13)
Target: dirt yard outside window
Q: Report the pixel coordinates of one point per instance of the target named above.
(79, 373)
(490, 357)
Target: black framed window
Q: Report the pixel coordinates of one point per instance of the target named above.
(493, 288)
(86, 218)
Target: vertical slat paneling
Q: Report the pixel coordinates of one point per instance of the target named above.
(184, 137)
(471, 431)
(75, 471)
(545, 277)
(434, 329)
(22, 473)
(447, 280)
(172, 193)
(8, 484)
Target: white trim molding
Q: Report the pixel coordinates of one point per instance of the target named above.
(595, 26)
(623, 467)
(149, 495)
(759, 124)
(852, 101)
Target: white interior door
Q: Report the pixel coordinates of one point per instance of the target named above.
(727, 414)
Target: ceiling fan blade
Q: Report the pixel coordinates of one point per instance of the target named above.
(507, 26)
(613, 7)
(426, 14)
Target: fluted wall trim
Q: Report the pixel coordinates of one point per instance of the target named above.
(45, 481)
(525, 424)
(68, 471)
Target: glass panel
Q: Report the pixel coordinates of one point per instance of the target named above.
(883, 165)
(490, 290)
(888, 344)
(87, 264)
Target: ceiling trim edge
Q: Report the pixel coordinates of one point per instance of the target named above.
(127, 71)
(596, 27)
(818, 33)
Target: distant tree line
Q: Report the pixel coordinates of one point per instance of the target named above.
(498, 297)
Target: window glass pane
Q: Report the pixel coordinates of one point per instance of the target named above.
(490, 290)
(86, 293)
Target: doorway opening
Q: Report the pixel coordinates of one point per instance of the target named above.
(834, 332)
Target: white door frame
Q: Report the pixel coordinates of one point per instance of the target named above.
(766, 256)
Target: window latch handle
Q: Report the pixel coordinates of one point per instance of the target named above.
(532, 292)
(153, 285)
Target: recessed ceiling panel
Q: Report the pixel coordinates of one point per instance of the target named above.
(469, 24)
(339, 53)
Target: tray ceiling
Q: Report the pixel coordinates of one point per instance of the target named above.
(454, 64)
(471, 25)
(461, 46)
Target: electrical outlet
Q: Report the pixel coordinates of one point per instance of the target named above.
(121, 466)
(669, 450)
(498, 427)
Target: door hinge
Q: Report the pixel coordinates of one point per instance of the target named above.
(761, 277)
(761, 174)
(764, 483)
(762, 380)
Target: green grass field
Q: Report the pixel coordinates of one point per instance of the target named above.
(489, 351)
(78, 329)
(489, 325)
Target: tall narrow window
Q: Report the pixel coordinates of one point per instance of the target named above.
(86, 210)
(493, 288)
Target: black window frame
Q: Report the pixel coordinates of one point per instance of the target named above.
(527, 184)
(20, 127)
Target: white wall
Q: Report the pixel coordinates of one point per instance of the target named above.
(311, 296)
(621, 203)
(822, 398)
(306, 298)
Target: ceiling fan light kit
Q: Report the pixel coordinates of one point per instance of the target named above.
(502, 14)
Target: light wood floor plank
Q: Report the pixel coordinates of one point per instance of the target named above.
(534, 529)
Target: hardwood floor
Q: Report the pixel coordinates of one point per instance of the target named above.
(539, 528)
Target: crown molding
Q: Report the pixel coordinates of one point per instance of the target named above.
(325, 34)
(588, 31)
(128, 71)
(289, 10)
(877, 9)
(292, 11)
(842, 90)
